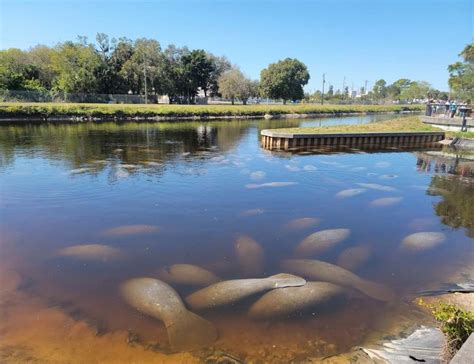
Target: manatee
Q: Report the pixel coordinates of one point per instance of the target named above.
(130, 230)
(321, 241)
(227, 292)
(326, 272)
(358, 169)
(270, 184)
(284, 301)
(382, 164)
(187, 274)
(303, 223)
(257, 175)
(388, 176)
(186, 330)
(309, 168)
(122, 173)
(97, 252)
(252, 212)
(128, 166)
(152, 163)
(79, 170)
(249, 256)
(423, 241)
(375, 186)
(350, 192)
(292, 168)
(387, 201)
(353, 258)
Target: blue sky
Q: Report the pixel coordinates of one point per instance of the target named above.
(361, 40)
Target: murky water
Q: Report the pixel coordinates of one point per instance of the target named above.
(169, 193)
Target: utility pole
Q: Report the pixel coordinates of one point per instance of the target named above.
(146, 91)
(344, 88)
(322, 93)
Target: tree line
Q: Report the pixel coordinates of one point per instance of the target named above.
(121, 66)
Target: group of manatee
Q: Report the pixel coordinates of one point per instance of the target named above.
(304, 282)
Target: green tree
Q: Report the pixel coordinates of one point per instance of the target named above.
(416, 90)
(18, 72)
(146, 60)
(221, 65)
(76, 65)
(284, 80)
(461, 74)
(380, 89)
(234, 85)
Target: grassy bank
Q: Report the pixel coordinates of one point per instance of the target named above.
(411, 123)
(104, 111)
(405, 124)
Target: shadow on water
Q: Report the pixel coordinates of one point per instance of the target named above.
(159, 194)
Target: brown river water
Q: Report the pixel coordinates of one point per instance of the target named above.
(183, 193)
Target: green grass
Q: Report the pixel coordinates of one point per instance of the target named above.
(459, 134)
(45, 110)
(408, 124)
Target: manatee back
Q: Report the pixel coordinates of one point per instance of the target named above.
(152, 297)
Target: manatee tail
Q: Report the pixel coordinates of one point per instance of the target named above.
(190, 332)
(375, 290)
(287, 280)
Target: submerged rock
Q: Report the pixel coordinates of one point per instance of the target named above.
(186, 330)
(303, 223)
(321, 241)
(387, 201)
(285, 301)
(187, 274)
(92, 252)
(350, 192)
(130, 230)
(250, 256)
(422, 241)
(321, 271)
(224, 293)
(353, 258)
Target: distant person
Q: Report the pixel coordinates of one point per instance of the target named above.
(429, 108)
(453, 108)
(446, 106)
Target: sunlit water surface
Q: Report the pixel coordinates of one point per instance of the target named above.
(193, 185)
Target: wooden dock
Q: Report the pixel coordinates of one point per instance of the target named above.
(275, 140)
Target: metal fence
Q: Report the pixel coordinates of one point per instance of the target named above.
(63, 97)
(38, 96)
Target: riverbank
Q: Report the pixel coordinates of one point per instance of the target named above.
(98, 112)
(405, 124)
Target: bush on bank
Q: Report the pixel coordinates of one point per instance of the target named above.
(46, 110)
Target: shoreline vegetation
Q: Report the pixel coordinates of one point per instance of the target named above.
(405, 124)
(14, 111)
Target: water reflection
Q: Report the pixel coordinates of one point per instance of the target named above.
(447, 161)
